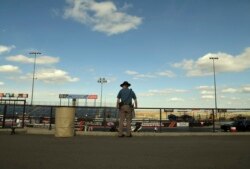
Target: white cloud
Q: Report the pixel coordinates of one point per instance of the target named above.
(246, 89)
(39, 60)
(241, 89)
(226, 63)
(162, 92)
(207, 96)
(4, 49)
(207, 92)
(131, 72)
(205, 87)
(1, 83)
(52, 76)
(143, 76)
(166, 73)
(229, 90)
(101, 16)
(176, 99)
(9, 69)
(137, 75)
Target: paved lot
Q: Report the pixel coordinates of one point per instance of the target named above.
(109, 152)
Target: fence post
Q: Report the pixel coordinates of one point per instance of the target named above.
(13, 118)
(213, 121)
(160, 119)
(104, 118)
(4, 114)
(50, 120)
(24, 107)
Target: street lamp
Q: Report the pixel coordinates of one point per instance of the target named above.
(215, 96)
(34, 70)
(101, 81)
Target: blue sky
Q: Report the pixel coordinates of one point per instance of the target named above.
(162, 47)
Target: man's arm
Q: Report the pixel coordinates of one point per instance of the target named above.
(135, 100)
(117, 103)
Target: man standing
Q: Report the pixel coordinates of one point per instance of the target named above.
(124, 103)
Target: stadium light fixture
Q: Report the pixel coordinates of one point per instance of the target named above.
(101, 81)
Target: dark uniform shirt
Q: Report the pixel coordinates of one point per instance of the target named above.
(126, 95)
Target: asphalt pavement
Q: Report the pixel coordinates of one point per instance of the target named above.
(110, 152)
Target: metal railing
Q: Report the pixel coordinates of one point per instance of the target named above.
(106, 118)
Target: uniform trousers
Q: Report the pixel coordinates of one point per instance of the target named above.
(125, 113)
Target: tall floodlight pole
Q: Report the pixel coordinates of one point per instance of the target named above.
(215, 96)
(101, 81)
(34, 70)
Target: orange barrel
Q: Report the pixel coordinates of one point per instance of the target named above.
(64, 121)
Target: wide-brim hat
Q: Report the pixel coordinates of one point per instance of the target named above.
(125, 83)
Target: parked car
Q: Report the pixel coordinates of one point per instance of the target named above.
(240, 125)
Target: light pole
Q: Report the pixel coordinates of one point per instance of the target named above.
(101, 81)
(34, 70)
(215, 96)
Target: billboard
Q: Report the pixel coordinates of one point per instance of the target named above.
(2, 94)
(92, 96)
(77, 96)
(19, 95)
(63, 96)
(22, 95)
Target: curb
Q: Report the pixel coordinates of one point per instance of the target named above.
(8, 131)
(169, 134)
(39, 131)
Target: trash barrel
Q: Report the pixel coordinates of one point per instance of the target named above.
(64, 121)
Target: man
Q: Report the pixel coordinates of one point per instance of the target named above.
(124, 103)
